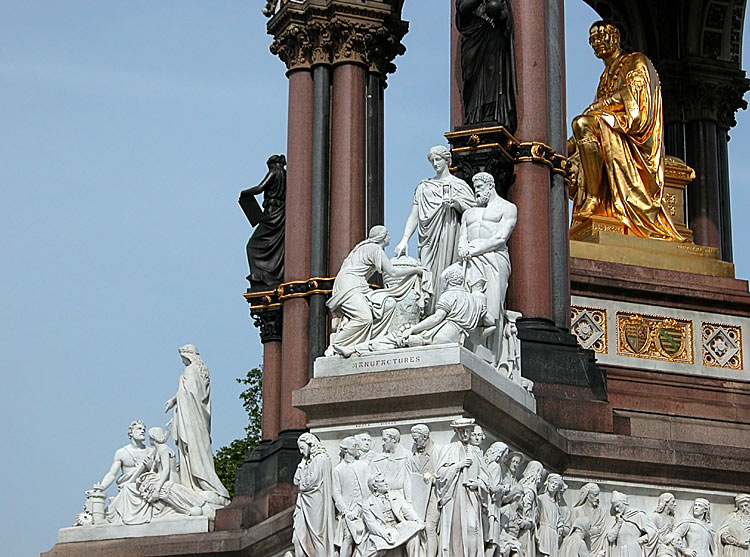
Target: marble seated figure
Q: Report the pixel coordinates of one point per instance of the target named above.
(391, 521)
(360, 314)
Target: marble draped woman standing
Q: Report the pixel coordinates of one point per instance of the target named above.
(436, 215)
(191, 429)
(314, 510)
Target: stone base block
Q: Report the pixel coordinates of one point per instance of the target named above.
(423, 357)
(608, 244)
(163, 527)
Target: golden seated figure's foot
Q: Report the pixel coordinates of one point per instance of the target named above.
(587, 209)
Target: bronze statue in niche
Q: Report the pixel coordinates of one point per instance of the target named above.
(488, 70)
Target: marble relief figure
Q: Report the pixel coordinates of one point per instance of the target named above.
(349, 492)
(694, 536)
(436, 213)
(633, 534)
(461, 487)
(588, 508)
(734, 531)
(664, 520)
(314, 509)
(420, 486)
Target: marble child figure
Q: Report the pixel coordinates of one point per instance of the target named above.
(435, 215)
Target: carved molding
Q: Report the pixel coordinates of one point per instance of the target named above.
(269, 323)
(330, 32)
(693, 91)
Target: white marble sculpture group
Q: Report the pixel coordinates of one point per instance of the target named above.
(455, 500)
(457, 284)
(152, 483)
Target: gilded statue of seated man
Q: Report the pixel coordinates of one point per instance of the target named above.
(617, 146)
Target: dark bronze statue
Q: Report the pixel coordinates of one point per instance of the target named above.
(488, 68)
(265, 248)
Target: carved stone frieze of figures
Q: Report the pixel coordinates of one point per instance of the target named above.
(265, 248)
(488, 71)
(450, 500)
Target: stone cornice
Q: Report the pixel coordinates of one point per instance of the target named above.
(338, 31)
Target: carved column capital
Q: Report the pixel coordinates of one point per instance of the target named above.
(268, 321)
(693, 91)
(365, 32)
(293, 46)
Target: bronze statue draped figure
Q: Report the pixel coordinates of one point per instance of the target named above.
(488, 71)
(265, 248)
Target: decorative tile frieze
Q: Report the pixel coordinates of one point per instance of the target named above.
(654, 337)
(589, 325)
(722, 345)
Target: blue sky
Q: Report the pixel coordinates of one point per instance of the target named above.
(129, 129)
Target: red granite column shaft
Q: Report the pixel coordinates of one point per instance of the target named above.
(271, 390)
(456, 92)
(347, 161)
(530, 290)
(294, 354)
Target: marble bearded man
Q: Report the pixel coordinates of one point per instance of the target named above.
(461, 485)
(483, 247)
(436, 215)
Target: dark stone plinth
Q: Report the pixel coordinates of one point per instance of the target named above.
(263, 484)
(270, 537)
(551, 355)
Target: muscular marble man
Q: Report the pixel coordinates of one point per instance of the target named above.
(482, 246)
(127, 458)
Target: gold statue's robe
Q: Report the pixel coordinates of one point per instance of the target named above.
(626, 121)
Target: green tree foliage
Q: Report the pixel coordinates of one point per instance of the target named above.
(231, 457)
